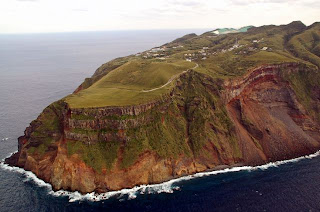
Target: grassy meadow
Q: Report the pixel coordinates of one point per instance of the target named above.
(125, 85)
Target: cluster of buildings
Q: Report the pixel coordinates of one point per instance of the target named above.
(148, 55)
(205, 51)
(257, 41)
(200, 54)
(253, 49)
(163, 53)
(235, 46)
(157, 52)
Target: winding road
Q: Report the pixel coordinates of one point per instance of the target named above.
(170, 80)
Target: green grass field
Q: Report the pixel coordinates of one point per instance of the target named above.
(229, 65)
(124, 85)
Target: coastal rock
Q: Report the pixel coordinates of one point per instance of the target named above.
(203, 124)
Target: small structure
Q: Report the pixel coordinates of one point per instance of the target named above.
(264, 48)
(216, 32)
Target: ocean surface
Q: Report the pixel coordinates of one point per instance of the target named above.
(37, 69)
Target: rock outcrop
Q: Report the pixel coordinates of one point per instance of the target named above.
(202, 124)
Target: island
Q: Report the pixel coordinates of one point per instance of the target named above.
(204, 102)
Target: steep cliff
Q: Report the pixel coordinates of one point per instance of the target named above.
(198, 103)
(270, 113)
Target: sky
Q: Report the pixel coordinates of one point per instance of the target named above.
(36, 16)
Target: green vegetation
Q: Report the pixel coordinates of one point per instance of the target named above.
(81, 117)
(134, 147)
(42, 148)
(124, 85)
(306, 45)
(166, 135)
(49, 122)
(229, 65)
(184, 38)
(306, 84)
(47, 129)
(120, 82)
(122, 117)
(207, 125)
(98, 155)
(264, 57)
(104, 70)
(172, 133)
(85, 131)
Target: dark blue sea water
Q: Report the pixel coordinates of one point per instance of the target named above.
(38, 69)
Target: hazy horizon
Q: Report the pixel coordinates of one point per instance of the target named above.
(189, 30)
(45, 16)
(196, 30)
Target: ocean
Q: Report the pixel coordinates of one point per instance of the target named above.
(37, 69)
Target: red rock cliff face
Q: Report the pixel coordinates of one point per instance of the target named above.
(247, 121)
(270, 122)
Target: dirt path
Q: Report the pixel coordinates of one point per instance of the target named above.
(169, 81)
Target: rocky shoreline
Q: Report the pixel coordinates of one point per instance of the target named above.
(252, 120)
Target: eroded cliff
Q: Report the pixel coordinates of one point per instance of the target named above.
(271, 113)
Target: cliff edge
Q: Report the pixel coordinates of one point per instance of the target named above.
(241, 105)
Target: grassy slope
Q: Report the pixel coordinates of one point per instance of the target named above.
(235, 63)
(104, 70)
(47, 129)
(123, 85)
(306, 84)
(229, 65)
(306, 45)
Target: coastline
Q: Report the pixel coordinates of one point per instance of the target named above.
(164, 187)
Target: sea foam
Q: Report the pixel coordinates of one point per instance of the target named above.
(165, 187)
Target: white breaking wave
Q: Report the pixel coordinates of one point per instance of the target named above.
(4, 139)
(165, 187)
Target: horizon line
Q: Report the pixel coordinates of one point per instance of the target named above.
(106, 30)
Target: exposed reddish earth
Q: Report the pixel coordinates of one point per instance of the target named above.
(268, 121)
